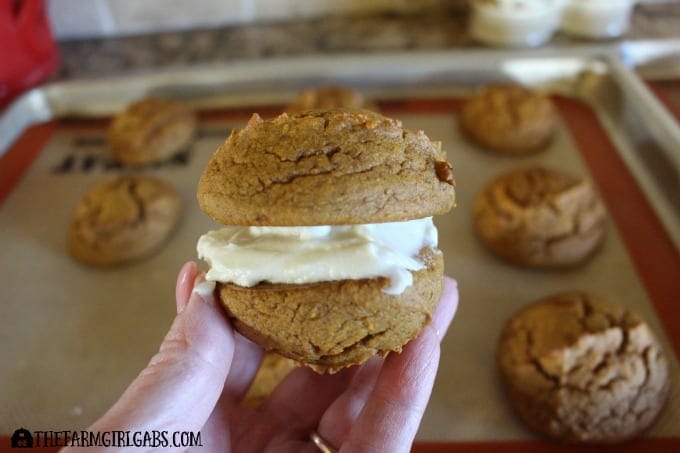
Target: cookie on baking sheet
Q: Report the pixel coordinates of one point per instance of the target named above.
(509, 119)
(580, 369)
(151, 130)
(540, 217)
(325, 167)
(122, 220)
(274, 369)
(330, 97)
(335, 324)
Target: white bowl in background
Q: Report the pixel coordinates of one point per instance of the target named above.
(596, 18)
(515, 23)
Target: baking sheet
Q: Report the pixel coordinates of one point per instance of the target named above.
(74, 336)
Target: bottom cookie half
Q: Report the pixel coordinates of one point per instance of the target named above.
(332, 325)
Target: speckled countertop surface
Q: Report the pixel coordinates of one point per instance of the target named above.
(436, 30)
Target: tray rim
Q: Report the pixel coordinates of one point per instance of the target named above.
(70, 98)
(47, 102)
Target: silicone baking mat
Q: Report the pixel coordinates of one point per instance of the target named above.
(668, 92)
(74, 337)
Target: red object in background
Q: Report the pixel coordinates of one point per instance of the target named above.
(28, 53)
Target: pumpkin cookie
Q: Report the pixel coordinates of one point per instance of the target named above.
(331, 325)
(151, 130)
(509, 119)
(581, 369)
(123, 220)
(330, 97)
(540, 217)
(325, 167)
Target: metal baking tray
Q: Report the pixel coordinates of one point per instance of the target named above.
(77, 338)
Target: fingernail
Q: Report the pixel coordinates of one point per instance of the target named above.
(183, 281)
(186, 272)
(198, 292)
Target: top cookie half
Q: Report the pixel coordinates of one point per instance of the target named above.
(326, 167)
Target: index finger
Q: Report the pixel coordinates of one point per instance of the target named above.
(391, 416)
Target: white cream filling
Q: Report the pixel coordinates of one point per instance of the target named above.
(204, 289)
(247, 256)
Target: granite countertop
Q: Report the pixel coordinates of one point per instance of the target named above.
(436, 30)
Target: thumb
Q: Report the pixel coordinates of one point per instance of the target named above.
(180, 386)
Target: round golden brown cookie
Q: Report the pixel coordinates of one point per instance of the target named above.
(274, 369)
(332, 325)
(509, 119)
(151, 130)
(330, 97)
(539, 217)
(581, 369)
(325, 167)
(122, 220)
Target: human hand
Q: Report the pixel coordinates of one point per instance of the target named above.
(199, 376)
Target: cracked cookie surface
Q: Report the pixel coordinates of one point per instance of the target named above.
(540, 217)
(509, 119)
(330, 167)
(581, 369)
(122, 220)
(151, 130)
(328, 326)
